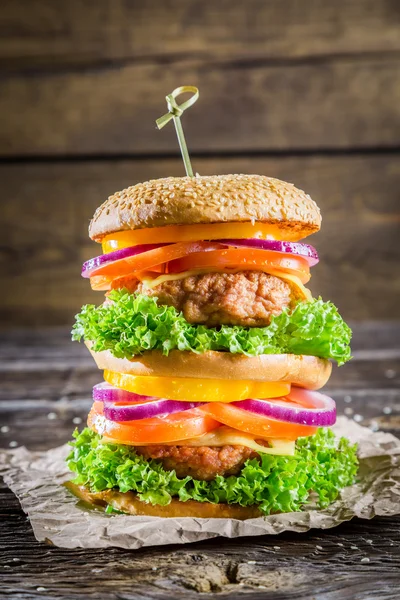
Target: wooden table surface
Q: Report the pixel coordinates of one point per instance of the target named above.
(46, 389)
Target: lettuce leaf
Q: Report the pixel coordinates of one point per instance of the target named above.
(133, 323)
(322, 464)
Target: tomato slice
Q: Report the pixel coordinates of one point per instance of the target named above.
(191, 389)
(157, 430)
(192, 233)
(100, 283)
(244, 258)
(255, 424)
(152, 258)
(103, 283)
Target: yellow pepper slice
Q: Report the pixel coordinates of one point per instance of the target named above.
(196, 390)
(194, 233)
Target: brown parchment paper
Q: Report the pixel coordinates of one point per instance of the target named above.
(36, 478)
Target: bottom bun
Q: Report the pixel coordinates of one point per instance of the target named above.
(129, 503)
(305, 371)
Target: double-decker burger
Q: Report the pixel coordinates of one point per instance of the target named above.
(212, 350)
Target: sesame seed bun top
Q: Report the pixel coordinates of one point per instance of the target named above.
(208, 199)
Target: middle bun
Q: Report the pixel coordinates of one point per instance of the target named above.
(310, 372)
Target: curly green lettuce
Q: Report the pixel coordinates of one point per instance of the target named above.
(322, 464)
(133, 323)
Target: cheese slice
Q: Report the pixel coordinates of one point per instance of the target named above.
(226, 436)
(151, 282)
(302, 291)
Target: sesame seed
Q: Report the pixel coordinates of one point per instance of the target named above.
(77, 420)
(348, 411)
(390, 373)
(51, 416)
(365, 559)
(358, 418)
(13, 444)
(387, 410)
(4, 429)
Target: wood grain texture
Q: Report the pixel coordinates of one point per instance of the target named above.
(48, 206)
(337, 104)
(87, 78)
(47, 382)
(328, 566)
(41, 33)
(358, 560)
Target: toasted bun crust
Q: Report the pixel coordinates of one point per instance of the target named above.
(129, 503)
(211, 199)
(305, 371)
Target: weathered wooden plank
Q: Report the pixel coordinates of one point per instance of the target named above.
(367, 373)
(47, 366)
(48, 206)
(331, 566)
(47, 382)
(41, 423)
(338, 104)
(371, 339)
(42, 33)
(42, 391)
(288, 566)
(59, 381)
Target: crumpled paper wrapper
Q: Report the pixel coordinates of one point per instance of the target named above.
(56, 517)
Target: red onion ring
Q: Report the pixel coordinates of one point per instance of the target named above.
(306, 251)
(105, 392)
(303, 407)
(120, 405)
(99, 261)
(315, 408)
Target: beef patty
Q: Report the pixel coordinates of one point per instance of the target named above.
(247, 298)
(203, 463)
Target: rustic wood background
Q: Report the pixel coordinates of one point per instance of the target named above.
(304, 91)
(307, 92)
